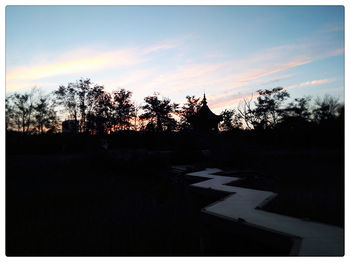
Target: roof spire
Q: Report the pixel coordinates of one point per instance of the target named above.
(204, 100)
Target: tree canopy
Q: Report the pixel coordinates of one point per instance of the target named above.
(97, 111)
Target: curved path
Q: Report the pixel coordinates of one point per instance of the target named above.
(316, 239)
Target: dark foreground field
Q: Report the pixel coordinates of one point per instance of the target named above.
(127, 201)
(70, 205)
(90, 204)
(309, 182)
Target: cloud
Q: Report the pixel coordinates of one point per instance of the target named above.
(80, 61)
(334, 52)
(311, 83)
(329, 28)
(228, 81)
(275, 68)
(131, 80)
(228, 99)
(316, 82)
(218, 76)
(26, 85)
(185, 77)
(166, 44)
(161, 46)
(231, 84)
(225, 81)
(88, 62)
(273, 79)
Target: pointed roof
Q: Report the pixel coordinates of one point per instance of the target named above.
(205, 114)
(204, 100)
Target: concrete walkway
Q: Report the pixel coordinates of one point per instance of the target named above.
(317, 239)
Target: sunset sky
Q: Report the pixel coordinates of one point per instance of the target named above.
(228, 52)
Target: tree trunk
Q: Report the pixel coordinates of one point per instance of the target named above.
(23, 124)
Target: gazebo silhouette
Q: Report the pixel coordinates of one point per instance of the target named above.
(205, 120)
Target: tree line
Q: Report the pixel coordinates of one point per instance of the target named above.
(97, 111)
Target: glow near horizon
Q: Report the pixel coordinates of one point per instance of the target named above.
(228, 51)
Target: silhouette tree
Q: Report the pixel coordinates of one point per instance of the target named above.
(67, 97)
(188, 110)
(297, 114)
(231, 120)
(11, 118)
(124, 109)
(341, 112)
(100, 117)
(137, 108)
(247, 114)
(79, 100)
(328, 116)
(83, 90)
(98, 111)
(159, 112)
(268, 107)
(30, 112)
(266, 112)
(44, 114)
(22, 110)
(299, 108)
(326, 109)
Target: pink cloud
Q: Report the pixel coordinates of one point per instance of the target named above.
(311, 83)
(78, 61)
(218, 76)
(231, 100)
(225, 99)
(316, 82)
